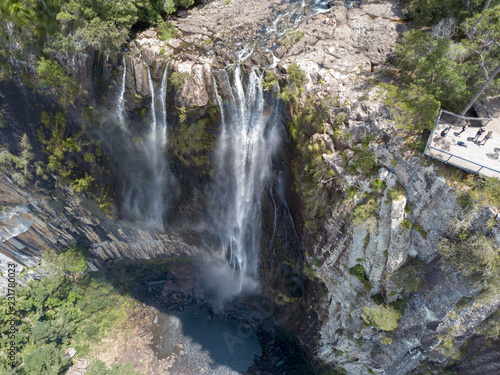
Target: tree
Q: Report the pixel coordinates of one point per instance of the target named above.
(46, 359)
(104, 36)
(427, 12)
(480, 92)
(484, 40)
(413, 108)
(15, 11)
(53, 77)
(72, 261)
(437, 64)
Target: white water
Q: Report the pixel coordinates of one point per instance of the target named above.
(163, 102)
(144, 192)
(120, 108)
(248, 140)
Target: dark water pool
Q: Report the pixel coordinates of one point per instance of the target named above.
(193, 342)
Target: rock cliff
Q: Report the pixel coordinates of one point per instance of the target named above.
(390, 304)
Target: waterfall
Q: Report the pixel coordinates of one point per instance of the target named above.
(245, 147)
(163, 101)
(145, 188)
(120, 108)
(153, 106)
(154, 151)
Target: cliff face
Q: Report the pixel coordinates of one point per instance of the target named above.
(35, 224)
(441, 308)
(390, 303)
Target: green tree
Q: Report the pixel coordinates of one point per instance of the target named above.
(102, 24)
(483, 32)
(72, 261)
(45, 360)
(53, 78)
(16, 11)
(436, 65)
(427, 12)
(413, 108)
(104, 36)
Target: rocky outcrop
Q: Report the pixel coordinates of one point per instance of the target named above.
(397, 247)
(34, 225)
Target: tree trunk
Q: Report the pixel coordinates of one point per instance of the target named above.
(473, 31)
(478, 94)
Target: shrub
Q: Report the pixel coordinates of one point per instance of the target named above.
(474, 256)
(364, 212)
(46, 359)
(292, 38)
(364, 161)
(359, 271)
(269, 81)
(412, 108)
(15, 166)
(409, 276)
(178, 79)
(385, 318)
(167, 31)
(98, 367)
(297, 78)
(384, 340)
(73, 260)
(395, 193)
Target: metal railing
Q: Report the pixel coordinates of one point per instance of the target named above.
(451, 156)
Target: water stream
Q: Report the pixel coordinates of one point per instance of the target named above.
(145, 188)
(250, 134)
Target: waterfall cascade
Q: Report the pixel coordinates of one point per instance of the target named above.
(248, 140)
(120, 108)
(144, 191)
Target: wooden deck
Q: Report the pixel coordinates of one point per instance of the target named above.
(475, 158)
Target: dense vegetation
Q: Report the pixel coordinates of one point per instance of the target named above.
(446, 60)
(60, 26)
(66, 309)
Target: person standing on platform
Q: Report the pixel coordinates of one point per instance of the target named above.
(479, 133)
(464, 127)
(486, 137)
(445, 132)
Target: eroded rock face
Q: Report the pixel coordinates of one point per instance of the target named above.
(32, 227)
(397, 247)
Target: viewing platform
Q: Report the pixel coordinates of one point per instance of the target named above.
(469, 155)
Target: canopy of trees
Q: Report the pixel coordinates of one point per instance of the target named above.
(68, 25)
(451, 56)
